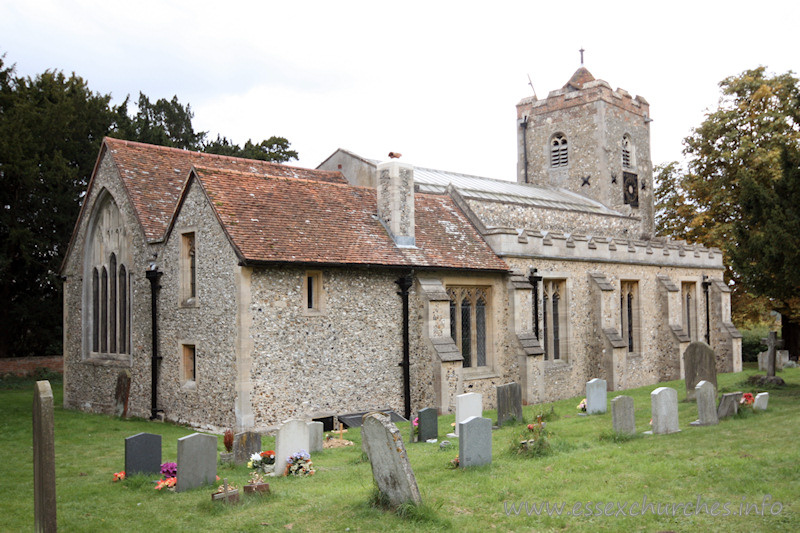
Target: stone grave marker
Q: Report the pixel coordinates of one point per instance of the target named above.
(475, 442)
(428, 424)
(122, 394)
(315, 431)
(596, 396)
(664, 407)
(700, 364)
(387, 455)
(197, 461)
(622, 415)
(509, 403)
(143, 454)
(772, 343)
(293, 436)
(706, 396)
(729, 404)
(467, 405)
(245, 444)
(761, 401)
(44, 459)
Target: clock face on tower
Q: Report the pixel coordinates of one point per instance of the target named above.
(630, 182)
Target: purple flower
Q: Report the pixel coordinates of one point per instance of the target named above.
(169, 469)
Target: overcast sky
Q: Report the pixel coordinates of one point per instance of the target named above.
(436, 81)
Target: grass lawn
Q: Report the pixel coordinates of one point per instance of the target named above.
(738, 465)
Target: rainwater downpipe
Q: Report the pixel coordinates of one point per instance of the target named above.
(154, 275)
(523, 123)
(404, 282)
(534, 279)
(706, 284)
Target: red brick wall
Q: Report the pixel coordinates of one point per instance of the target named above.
(23, 366)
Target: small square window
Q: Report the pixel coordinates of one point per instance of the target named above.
(188, 365)
(313, 292)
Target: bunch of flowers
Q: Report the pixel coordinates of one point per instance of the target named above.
(535, 441)
(261, 461)
(169, 483)
(227, 440)
(454, 462)
(299, 464)
(582, 405)
(119, 476)
(169, 470)
(747, 399)
(415, 425)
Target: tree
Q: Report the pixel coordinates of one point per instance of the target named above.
(275, 149)
(165, 123)
(51, 127)
(737, 150)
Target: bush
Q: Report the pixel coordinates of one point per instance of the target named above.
(751, 342)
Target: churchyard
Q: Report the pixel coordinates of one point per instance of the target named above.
(747, 464)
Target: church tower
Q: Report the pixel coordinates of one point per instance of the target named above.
(592, 140)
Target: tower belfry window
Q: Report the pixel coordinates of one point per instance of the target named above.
(628, 152)
(559, 153)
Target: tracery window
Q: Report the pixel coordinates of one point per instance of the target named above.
(468, 323)
(554, 319)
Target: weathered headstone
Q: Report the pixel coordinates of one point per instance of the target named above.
(474, 442)
(706, 396)
(315, 435)
(428, 424)
(623, 418)
(664, 408)
(729, 404)
(293, 437)
(700, 364)
(761, 401)
(772, 343)
(596, 396)
(44, 459)
(467, 405)
(143, 454)
(197, 461)
(122, 393)
(509, 403)
(244, 445)
(387, 455)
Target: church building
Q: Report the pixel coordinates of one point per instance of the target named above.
(240, 293)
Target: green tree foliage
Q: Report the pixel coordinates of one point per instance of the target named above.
(163, 122)
(275, 149)
(51, 127)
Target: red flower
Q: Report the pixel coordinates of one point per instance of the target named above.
(119, 476)
(747, 399)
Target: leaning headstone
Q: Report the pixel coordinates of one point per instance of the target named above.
(596, 396)
(761, 401)
(467, 405)
(475, 442)
(706, 396)
(293, 437)
(509, 403)
(197, 461)
(387, 455)
(44, 459)
(315, 436)
(664, 407)
(143, 454)
(622, 415)
(244, 445)
(700, 364)
(729, 404)
(122, 393)
(428, 424)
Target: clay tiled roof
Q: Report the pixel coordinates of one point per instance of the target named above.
(581, 76)
(154, 177)
(275, 219)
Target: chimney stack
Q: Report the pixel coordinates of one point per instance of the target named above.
(396, 201)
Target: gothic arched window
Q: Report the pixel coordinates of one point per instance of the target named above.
(468, 323)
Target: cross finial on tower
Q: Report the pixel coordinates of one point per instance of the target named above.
(581, 51)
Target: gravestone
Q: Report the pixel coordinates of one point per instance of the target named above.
(467, 405)
(596, 396)
(475, 442)
(197, 461)
(700, 364)
(293, 436)
(143, 454)
(122, 394)
(391, 469)
(706, 396)
(244, 445)
(772, 343)
(509, 403)
(44, 459)
(761, 401)
(428, 424)
(781, 359)
(664, 407)
(623, 419)
(729, 404)
(315, 431)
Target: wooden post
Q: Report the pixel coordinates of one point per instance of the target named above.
(44, 459)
